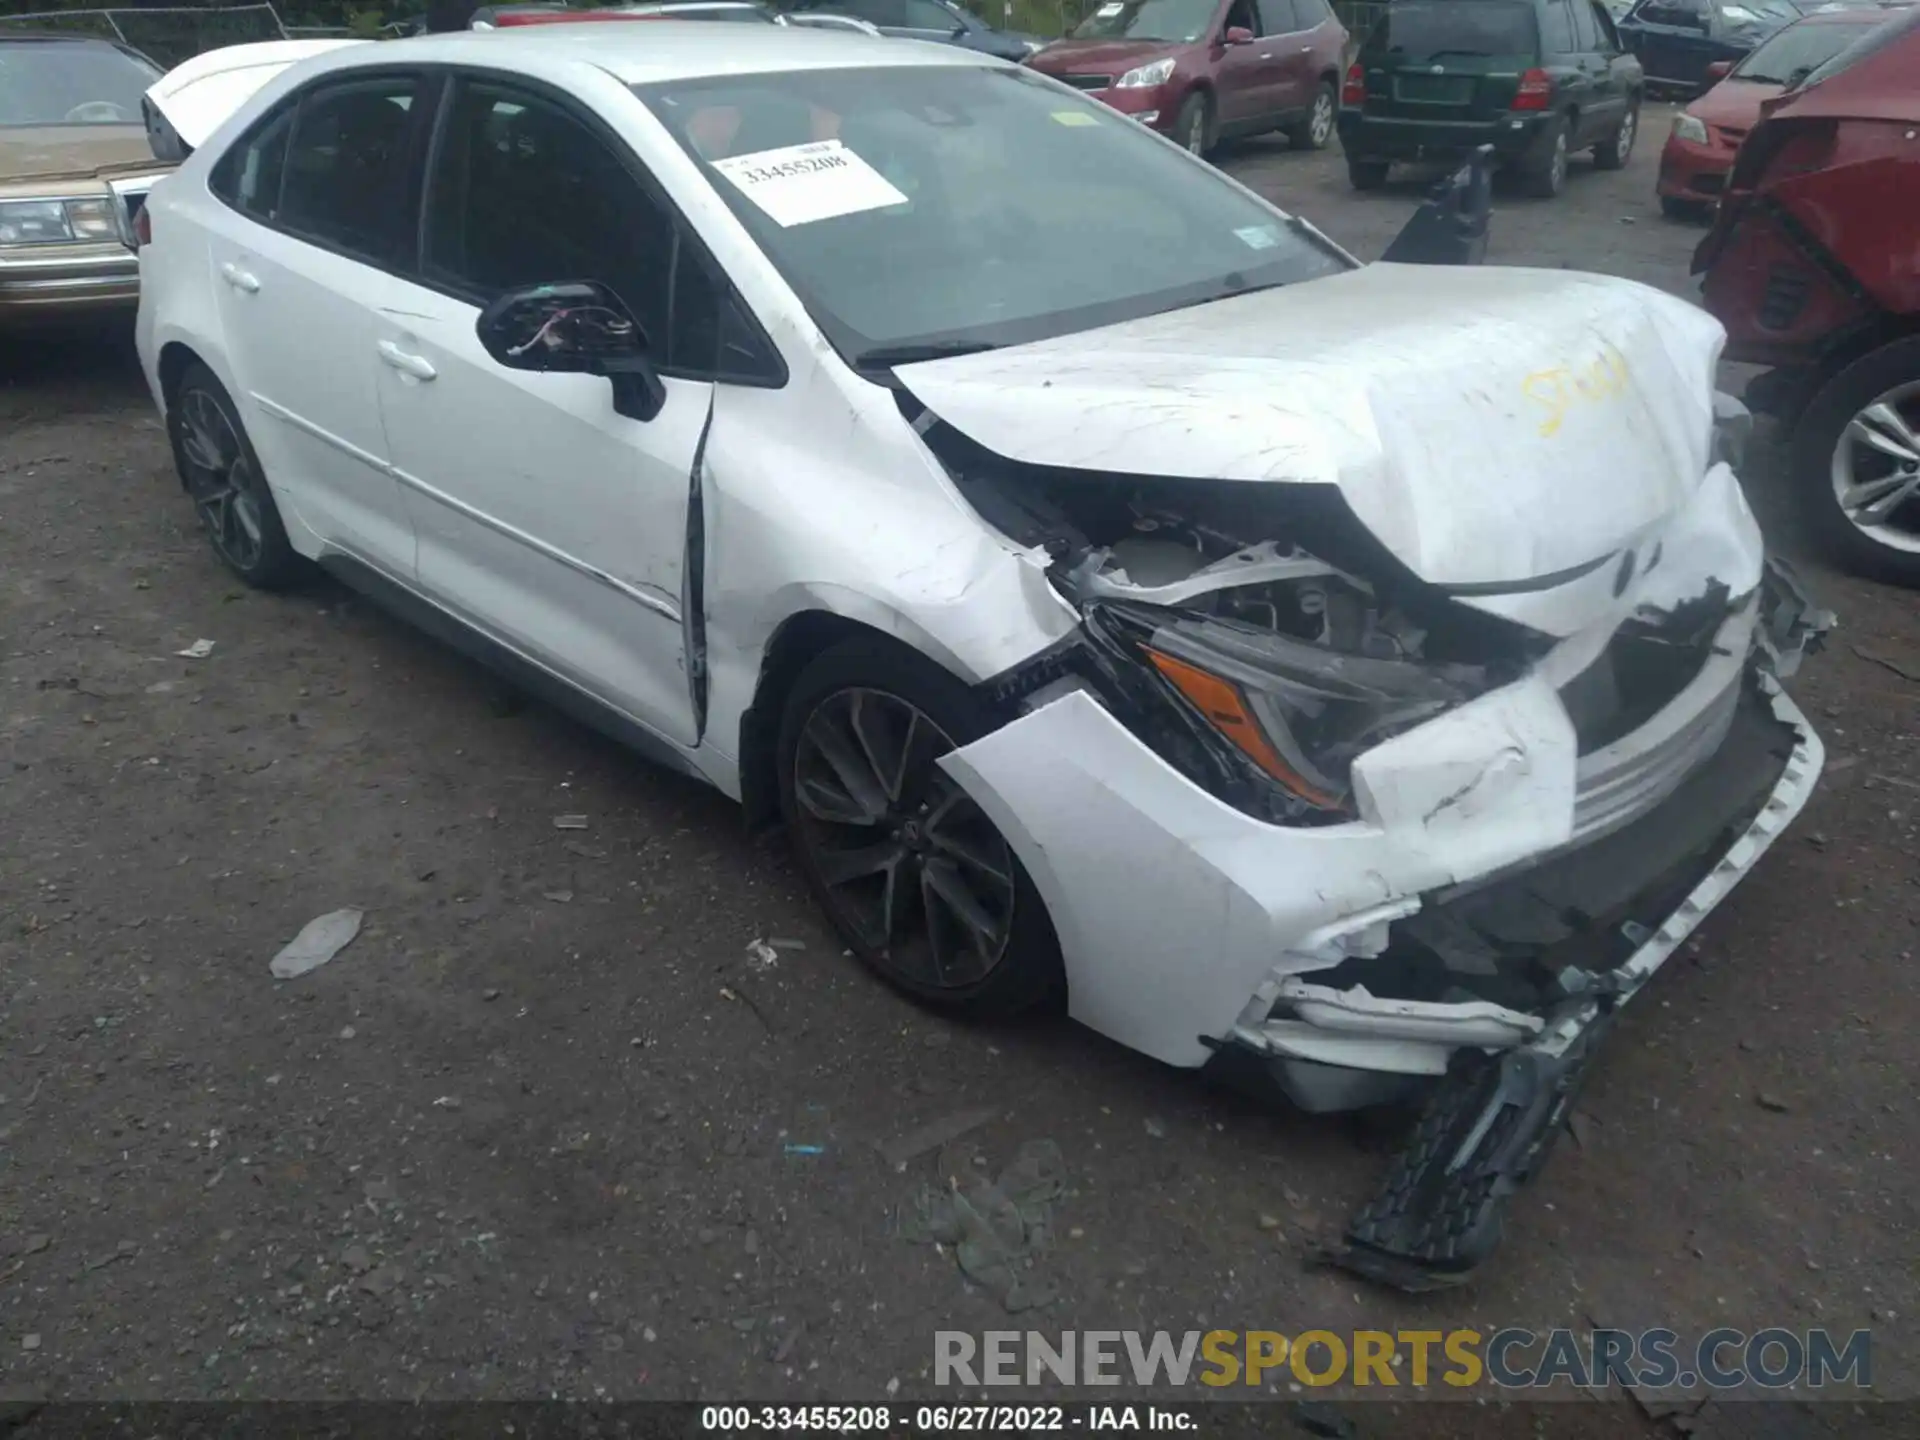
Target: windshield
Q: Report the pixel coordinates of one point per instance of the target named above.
(1759, 12)
(931, 208)
(1178, 22)
(70, 82)
(1871, 43)
(1420, 33)
(1797, 49)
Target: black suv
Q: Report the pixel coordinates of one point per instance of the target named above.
(1535, 79)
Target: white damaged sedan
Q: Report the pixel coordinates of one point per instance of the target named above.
(1359, 679)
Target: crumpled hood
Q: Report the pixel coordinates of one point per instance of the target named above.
(1490, 425)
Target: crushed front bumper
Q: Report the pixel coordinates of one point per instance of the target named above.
(1473, 935)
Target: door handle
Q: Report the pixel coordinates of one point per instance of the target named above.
(418, 366)
(239, 279)
(1266, 54)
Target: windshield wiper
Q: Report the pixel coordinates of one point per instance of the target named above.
(883, 356)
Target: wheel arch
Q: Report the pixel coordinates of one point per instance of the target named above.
(795, 642)
(176, 357)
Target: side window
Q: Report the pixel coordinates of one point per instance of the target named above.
(1241, 14)
(1313, 13)
(1586, 28)
(524, 192)
(248, 176)
(889, 14)
(925, 15)
(1609, 36)
(1556, 33)
(1279, 17)
(344, 182)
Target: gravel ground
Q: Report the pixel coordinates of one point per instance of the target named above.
(543, 1129)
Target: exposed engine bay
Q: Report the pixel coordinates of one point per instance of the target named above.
(1260, 639)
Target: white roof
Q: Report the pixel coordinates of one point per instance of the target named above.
(641, 53)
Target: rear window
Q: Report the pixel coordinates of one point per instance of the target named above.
(1424, 31)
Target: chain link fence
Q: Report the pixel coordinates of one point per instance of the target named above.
(166, 36)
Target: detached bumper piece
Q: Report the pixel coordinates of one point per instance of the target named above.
(1485, 1132)
(1600, 920)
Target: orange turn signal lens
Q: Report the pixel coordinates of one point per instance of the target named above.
(1225, 708)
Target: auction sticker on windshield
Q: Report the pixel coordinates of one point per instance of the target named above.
(799, 184)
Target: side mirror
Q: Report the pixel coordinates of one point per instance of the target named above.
(1718, 71)
(1450, 227)
(1238, 35)
(577, 328)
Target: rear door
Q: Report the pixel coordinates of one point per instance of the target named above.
(1449, 60)
(1285, 40)
(320, 220)
(1604, 68)
(1575, 83)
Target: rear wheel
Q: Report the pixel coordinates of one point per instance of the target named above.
(1613, 152)
(916, 878)
(1856, 456)
(1314, 132)
(1544, 174)
(1193, 125)
(1367, 174)
(223, 478)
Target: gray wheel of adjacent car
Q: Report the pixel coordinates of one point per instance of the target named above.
(1193, 125)
(1857, 459)
(1613, 152)
(222, 476)
(1544, 174)
(1316, 131)
(916, 878)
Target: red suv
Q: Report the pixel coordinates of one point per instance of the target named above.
(1201, 71)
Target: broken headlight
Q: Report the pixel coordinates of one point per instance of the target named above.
(1298, 712)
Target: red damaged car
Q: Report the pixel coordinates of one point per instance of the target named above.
(1707, 134)
(1813, 266)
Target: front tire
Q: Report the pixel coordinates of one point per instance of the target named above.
(1544, 175)
(222, 476)
(1316, 131)
(1193, 125)
(1614, 152)
(1856, 459)
(920, 884)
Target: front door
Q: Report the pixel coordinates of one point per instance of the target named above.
(1246, 77)
(547, 520)
(317, 196)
